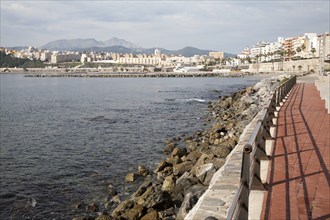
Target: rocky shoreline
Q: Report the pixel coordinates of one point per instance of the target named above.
(176, 184)
(139, 74)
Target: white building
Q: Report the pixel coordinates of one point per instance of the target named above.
(45, 56)
(67, 57)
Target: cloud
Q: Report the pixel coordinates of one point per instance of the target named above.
(219, 25)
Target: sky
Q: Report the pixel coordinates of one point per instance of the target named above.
(219, 25)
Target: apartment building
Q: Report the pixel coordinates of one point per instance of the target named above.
(217, 55)
(66, 57)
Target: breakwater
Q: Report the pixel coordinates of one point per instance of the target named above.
(139, 75)
(192, 164)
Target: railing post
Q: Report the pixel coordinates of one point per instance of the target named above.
(245, 178)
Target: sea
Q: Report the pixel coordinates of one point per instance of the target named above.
(63, 141)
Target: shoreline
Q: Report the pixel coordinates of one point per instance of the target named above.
(172, 189)
(72, 73)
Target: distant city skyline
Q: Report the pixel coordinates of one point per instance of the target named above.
(227, 26)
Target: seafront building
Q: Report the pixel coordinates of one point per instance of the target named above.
(307, 46)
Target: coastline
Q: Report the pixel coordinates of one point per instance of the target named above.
(178, 182)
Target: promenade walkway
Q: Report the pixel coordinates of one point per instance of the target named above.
(298, 177)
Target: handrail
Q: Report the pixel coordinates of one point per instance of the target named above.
(254, 151)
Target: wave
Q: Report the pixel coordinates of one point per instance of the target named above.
(185, 100)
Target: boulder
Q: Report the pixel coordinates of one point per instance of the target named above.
(167, 213)
(204, 172)
(218, 163)
(221, 151)
(142, 189)
(152, 215)
(111, 190)
(169, 147)
(173, 159)
(154, 197)
(104, 217)
(130, 177)
(190, 199)
(182, 184)
(122, 207)
(205, 158)
(161, 166)
(166, 172)
(179, 169)
(179, 152)
(135, 213)
(92, 207)
(142, 170)
(193, 156)
(169, 183)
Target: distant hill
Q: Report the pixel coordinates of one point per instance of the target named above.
(77, 44)
(186, 51)
(117, 45)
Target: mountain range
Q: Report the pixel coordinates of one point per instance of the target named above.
(74, 44)
(117, 45)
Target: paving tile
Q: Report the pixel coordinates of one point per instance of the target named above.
(299, 172)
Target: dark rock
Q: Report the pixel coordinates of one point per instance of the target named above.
(111, 190)
(186, 181)
(161, 166)
(142, 188)
(166, 172)
(92, 208)
(191, 198)
(167, 214)
(154, 197)
(78, 205)
(122, 207)
(83, 218)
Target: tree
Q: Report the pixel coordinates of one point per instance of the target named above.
(298, 49)
(313, 50)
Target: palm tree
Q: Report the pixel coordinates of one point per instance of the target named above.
(257, 57)
(298, 50)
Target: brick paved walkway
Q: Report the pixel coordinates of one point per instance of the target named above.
(298, 176)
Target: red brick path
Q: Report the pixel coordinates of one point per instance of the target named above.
(298, 176)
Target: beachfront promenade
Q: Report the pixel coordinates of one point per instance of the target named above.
(298, 177)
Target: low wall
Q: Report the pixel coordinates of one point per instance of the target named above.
(288, 66)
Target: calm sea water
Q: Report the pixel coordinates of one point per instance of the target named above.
(63, 140)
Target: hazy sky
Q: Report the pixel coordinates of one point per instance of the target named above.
(217, 25)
